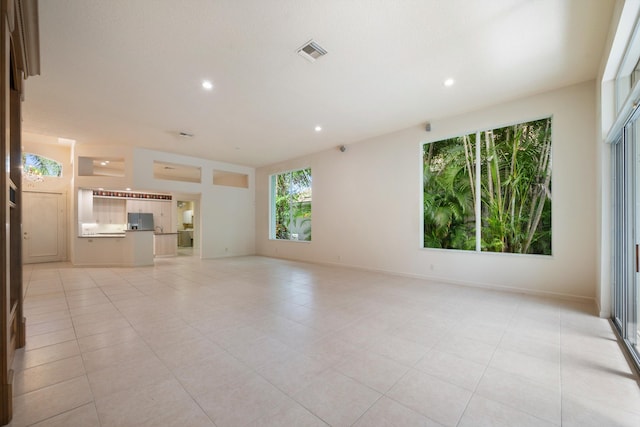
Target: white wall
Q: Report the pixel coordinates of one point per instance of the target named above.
(367, 203)
(226, 220)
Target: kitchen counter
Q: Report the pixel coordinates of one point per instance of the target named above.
(141, 247)
(132, 248)
(101, 235)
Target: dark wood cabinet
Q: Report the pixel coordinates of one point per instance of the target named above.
(19, 58)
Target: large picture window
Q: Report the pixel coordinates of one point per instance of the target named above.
(291, 205)
(490, 190)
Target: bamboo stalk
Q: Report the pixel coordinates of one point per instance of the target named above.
(540, 206)
(496, 171)
(489, 178)
(467, 154)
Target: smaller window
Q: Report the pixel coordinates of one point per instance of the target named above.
(35, 166)
(230, 179)
(291, 205)
(176, 172)
(101, 166)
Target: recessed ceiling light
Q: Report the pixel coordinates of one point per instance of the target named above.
(449, 82)
(318, 128)
(207, 84)
(128, 189)
(103, 163)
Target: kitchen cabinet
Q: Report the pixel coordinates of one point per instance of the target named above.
(165, 244)
(133, 250)
(166, 216)
(161, 210)
(140, 206)
(85, 205)
(185, 238)
(101, 251)
(109, 211)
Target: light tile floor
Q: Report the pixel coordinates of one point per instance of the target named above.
(255, 341)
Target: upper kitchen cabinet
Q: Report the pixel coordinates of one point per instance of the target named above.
(162, 211)
(109, 210)
(85, 205)
(139, 206)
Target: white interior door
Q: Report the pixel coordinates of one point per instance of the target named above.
(43, 227)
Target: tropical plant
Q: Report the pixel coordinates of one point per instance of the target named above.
(449, 221)
(515, 196)
(292, 193)
(38, 165)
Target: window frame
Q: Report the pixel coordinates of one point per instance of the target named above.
(26, 173)
(272, 205)
(479, 201)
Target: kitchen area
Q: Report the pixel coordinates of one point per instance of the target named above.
(185, 225)
(126, 228)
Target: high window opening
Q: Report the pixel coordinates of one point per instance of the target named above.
(490, 190)
(35, 167)
(291, 205)
(101, 166)
(176, 172)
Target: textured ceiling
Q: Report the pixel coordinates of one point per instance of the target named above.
(126, 72)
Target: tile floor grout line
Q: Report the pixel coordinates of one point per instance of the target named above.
(84, 367)
(58, 414)
(268, 294)
(474, 392)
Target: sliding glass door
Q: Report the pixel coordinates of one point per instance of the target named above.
(626, 234)
(632, 133)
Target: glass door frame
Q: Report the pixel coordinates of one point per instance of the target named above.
(625, 234)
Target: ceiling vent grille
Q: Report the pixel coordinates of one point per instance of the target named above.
(311, 51)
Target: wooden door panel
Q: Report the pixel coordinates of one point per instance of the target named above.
(43, 227)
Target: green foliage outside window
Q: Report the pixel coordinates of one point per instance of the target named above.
(515, 190)
(292, 205)
(37, 165)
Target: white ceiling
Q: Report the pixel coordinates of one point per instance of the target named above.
(129, 72)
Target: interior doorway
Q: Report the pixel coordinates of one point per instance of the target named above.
(187, 224)
(43, 227)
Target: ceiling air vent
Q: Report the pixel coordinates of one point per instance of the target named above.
(311, 51)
